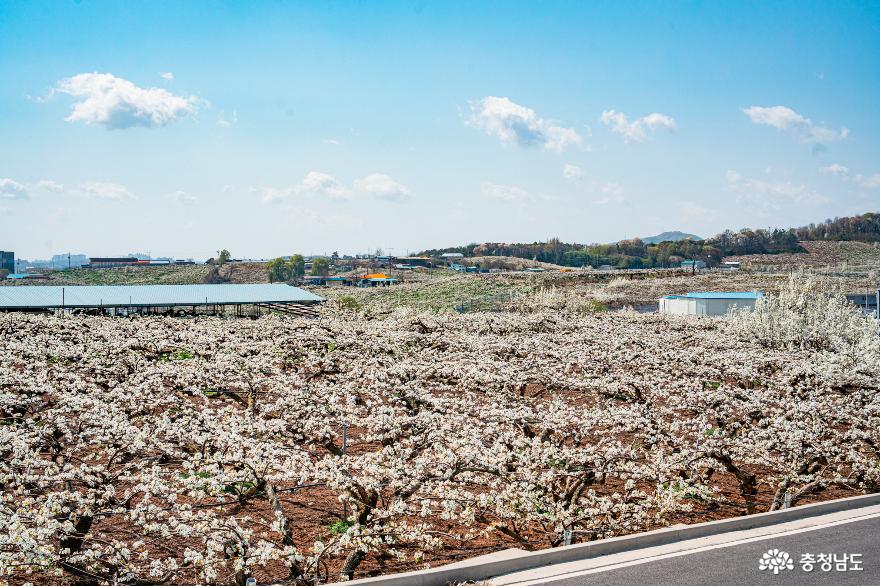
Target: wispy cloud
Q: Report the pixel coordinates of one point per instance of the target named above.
(314, 184)
(322, 184)
(868, 181)
(835, 169)
(227, 122)
(505, 193)
(183, 197)
(787, 120)
(771, 194)
(638, 129)
(514, 124)
(106, 191)
(167, 76)
(863, 181)
(115, 103)
(572, 172)
(10, 189)
(611, 192)
(49, 185)
(382, 186)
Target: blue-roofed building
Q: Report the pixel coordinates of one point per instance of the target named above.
(175, 299)
(693, 265)
(708, 302)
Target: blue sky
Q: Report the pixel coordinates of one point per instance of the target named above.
(277, 127)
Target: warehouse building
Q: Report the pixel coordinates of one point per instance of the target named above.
(707, 303)
(177, 300)
(111, 262)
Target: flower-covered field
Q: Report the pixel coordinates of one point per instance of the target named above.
(208, 450)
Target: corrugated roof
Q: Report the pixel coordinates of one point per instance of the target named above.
(717, 295)
(150, 295)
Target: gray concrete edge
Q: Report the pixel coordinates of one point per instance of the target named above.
(477, 569)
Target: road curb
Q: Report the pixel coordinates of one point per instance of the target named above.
(511, 561)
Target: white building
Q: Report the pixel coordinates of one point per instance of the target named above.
(710, 303)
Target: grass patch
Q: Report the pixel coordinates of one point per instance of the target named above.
(340, 527)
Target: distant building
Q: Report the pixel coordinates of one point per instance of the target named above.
(693, 264)
(7, 261)
(708, 303)
(450, 255)
(730, 265)
(415, 261)
(29, 276)
(110, 262)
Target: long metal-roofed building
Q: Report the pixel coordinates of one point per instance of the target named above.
(708, 303)
(160, 299)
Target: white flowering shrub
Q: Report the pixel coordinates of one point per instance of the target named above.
(811, 313)
(559, 299)
(207, 451)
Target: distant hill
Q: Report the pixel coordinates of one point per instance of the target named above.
(670, 248)
(670, 237)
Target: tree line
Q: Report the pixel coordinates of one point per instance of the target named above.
(281, 270)
(635, 253)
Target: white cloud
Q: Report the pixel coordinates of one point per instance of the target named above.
(512, 123)
(106, 190)
(226, 123)
(863, 181)
(317, 183)
(167, 75)
(868, 181)
(771, 194)
(183, 197)
(788, 120)
(835, 169)
(382, 187)
(611, 188)
(117, 103)
(506, 193)
(49, 185)
(572, 172)
(333, 141)
(638, 129)
(10, 189)
(271, 194)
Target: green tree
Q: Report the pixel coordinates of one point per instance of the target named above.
(278, 270)
(297, 266)
(320, 266)
(223, 257)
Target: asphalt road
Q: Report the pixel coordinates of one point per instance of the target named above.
(738, 565)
